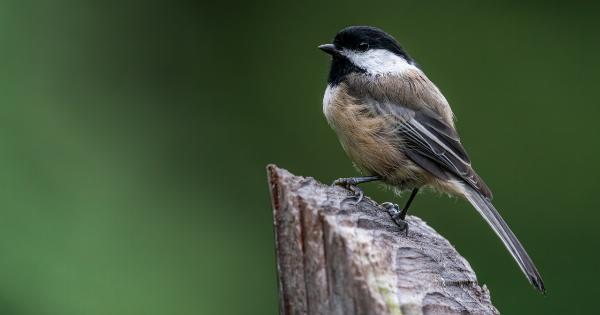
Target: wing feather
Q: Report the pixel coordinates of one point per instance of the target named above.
(436, 146)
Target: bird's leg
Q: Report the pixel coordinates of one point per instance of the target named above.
(398, 215)
(351, 183)
(402, 213)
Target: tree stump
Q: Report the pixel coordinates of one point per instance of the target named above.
(337, 258)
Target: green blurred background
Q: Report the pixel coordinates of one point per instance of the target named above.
(134, 137)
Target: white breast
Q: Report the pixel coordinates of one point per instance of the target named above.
(327, 97)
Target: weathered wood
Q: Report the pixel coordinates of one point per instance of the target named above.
(335, 258)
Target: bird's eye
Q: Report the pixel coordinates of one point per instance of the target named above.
(363, 46)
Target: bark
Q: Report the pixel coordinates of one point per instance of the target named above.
(337, 258)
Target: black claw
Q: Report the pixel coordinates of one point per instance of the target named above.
(350, 184)
(401, 223)
(357, 195)
(394, 211)
(391, 208)
(344, 182)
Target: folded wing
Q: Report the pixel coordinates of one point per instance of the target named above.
(436, 147)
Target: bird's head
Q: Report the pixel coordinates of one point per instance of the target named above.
(365, 49)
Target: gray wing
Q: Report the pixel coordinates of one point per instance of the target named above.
(416, 103)
(435, 146)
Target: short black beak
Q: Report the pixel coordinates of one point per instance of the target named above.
(330, 49)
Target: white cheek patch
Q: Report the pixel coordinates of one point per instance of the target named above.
(378, 61)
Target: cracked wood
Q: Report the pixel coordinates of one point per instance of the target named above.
(351, 260)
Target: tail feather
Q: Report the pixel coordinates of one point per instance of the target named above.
(493, 218)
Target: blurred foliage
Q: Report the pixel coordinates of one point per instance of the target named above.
(134, 136)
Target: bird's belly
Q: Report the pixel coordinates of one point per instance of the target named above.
(370, 140)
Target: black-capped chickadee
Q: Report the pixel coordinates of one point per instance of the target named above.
(397, 127)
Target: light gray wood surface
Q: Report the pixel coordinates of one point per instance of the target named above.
(337, 258)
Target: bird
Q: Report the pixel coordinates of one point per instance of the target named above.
(397, 127)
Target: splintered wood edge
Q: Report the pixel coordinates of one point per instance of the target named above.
(337, 258)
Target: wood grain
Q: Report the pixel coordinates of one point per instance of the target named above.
(337, 258)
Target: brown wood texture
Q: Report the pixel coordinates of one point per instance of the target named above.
(338, 258)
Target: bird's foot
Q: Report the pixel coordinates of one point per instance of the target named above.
(351, 185)
(394, 211)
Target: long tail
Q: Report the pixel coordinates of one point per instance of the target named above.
(493, 218)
